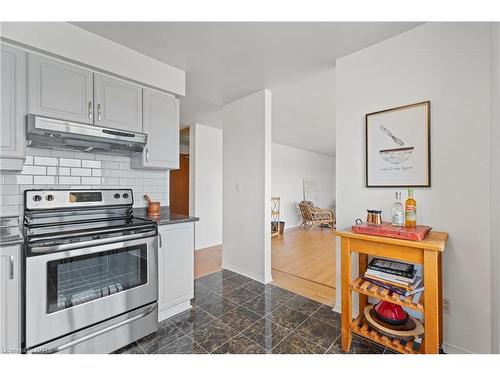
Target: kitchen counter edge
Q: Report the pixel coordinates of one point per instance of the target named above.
(16, 238)
(11, 242)
(165, 218)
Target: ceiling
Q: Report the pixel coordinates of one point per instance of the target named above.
(303, 113)
(225, 61)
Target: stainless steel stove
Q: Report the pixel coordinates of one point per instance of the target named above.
(91, 282)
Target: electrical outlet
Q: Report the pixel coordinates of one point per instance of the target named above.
(446, 305)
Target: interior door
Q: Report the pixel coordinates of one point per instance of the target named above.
(179, 187)
(59, 90)
(118, 104)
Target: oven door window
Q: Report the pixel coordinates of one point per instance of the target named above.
(73, 281)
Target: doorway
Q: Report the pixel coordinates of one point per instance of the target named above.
(196, 190)
(303, 256)
(179, 178)
(179, 187)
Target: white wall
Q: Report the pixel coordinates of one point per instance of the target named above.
(495, 186)
(205, 162)
(449, 64)
(73, 43)
(289, 167)
(247, 186)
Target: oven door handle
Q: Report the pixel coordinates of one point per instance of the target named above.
(102, 331)
(89, 233)
(78, 245)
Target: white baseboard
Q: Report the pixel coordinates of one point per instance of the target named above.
(292, 227)
(295, 227)
(244, 272)
(452, 349)
(337, 309)
(174, 310)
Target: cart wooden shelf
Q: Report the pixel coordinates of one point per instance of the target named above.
(371, 290)
(427, 253)
(360, 327)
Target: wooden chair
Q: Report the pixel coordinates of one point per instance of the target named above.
(314, 215)
(275, 216)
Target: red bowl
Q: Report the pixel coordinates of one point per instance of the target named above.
(391, 313)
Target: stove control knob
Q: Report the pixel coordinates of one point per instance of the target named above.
(37, 198)
(117, 196)
(125, 195)
(49, 197)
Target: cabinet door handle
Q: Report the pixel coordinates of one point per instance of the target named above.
(159, 239)
(99, 112)
(147, 154)
(90, 110)
(11, 267)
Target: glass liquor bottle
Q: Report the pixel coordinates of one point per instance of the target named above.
(410, 211)
(398, 212)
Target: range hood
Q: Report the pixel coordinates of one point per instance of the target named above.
(56, 134)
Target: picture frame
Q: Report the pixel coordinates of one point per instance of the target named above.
(397, 146)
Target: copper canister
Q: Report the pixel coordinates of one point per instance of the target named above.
(369, 216)
(153, 207)
(377, 217)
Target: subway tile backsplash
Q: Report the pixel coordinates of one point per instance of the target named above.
(46, 169)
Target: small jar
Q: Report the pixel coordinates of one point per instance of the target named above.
(369, 216)
(377, 217)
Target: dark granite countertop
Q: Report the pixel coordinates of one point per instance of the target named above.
(165, 218)
(11, 240)
(10, 231)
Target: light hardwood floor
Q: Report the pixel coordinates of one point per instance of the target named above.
(207, 261)
(304, 262)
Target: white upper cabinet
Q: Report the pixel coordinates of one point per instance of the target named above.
(45, 86)
(60, 90)
(161, 124)
(118, 104)
(13, 108)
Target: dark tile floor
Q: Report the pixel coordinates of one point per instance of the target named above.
(234, 314)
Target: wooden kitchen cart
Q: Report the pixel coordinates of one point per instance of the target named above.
(428, 253)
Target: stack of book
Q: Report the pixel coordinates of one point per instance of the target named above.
(400, 278)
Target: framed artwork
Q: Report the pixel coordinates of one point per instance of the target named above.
(398, 147)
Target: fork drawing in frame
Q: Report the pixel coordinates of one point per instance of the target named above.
(398, 146)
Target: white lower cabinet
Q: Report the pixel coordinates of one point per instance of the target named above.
(10, 299)
(175, 268)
